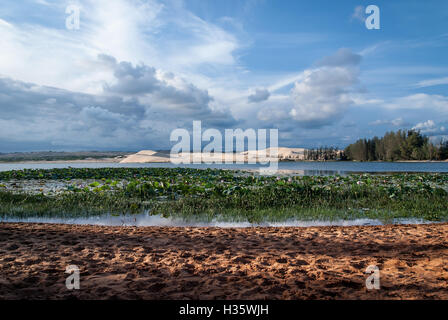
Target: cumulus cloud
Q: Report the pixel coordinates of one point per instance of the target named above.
(427, 125)
(33, 115)
(131, 80)
(136, 31)
(322, 95)
(430, 128)
(164, 93)
(143, 86)
(259, 96)
(137, 109)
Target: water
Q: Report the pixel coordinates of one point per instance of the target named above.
(301, 168)
(146, 220)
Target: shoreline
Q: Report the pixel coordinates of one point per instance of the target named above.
(143, 221)
(213, 263)
(102, 160)
(113, 160)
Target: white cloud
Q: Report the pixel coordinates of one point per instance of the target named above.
(427, 125)
(167, 66)
(5, 24)
(285, 81)
(43, 2)
(33, 115)
(398, 122)
(149, 32)
(420, 101)
(359, 13)
(430, 128)
(163, 92)
(360, 100)
(322, 95)
(432, 82)
(101, 101)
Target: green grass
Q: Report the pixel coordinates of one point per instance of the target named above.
(226, 195)
(82, 204)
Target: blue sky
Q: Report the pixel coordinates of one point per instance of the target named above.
(135, 70)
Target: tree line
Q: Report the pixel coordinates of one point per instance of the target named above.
(323, 154)
(395, 146)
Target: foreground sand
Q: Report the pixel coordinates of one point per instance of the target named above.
(212, 263)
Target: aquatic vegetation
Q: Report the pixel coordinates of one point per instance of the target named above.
(238, 195)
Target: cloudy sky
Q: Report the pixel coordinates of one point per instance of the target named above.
(137, 69)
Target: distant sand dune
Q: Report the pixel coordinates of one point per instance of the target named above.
(269, 154)
(146, 156)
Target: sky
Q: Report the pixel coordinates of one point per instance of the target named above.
(135, 70)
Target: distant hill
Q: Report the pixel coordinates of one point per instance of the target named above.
(60, 156)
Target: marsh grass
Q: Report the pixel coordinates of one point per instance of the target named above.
(255, 208)
(68, 205)
(233, 196)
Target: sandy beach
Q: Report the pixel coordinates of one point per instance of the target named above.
(213, 263)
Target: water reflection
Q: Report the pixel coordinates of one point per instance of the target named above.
(146, 220)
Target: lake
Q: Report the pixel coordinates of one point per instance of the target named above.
(301, 167)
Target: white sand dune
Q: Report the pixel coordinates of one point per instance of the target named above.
(282, 153)
(146, 156)
(269, 154)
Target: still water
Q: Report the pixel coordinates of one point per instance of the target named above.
(301, 167)
(146, 220)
